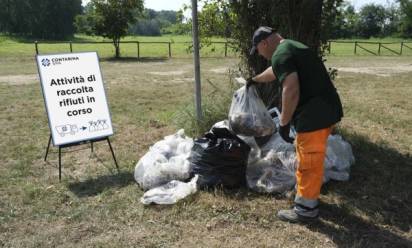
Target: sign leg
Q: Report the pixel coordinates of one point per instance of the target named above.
(91, 146)
(60, 163)
(114, 158)
(47, 150)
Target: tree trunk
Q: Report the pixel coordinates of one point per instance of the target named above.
(304, 21)
(116, 43)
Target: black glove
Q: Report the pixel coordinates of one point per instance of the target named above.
(284, 133)
(250, 82)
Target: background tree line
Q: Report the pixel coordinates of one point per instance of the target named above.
(60, 19)
(373, 20)
(45, 19)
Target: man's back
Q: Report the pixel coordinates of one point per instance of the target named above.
(319, 104)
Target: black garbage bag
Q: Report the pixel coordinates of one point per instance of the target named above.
(219, 158)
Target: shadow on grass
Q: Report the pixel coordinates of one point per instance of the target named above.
(374, 206)
(96, 186)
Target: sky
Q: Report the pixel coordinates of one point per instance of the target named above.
(177, 4)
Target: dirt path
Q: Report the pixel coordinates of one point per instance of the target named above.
(382, 71)
(19, 79)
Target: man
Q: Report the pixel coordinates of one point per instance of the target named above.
(310, 102)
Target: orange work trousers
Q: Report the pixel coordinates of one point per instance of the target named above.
(310, 149)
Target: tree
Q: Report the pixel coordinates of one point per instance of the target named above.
(372, 20)
(295, 19)
(392, 20)
(406, 17)
(112, 18)
(47, 19)
(84, 23)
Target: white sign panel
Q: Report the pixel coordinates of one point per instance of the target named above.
(75, 98)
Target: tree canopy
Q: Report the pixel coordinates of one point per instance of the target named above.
(45, 19)
(112, 18)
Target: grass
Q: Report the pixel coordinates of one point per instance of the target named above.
(11, 47)
(16, 46)
(96, 206)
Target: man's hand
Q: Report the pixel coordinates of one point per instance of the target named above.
(250, 82)
(284, 133)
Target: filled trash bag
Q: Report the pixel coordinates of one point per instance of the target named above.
(165, 161)
(339, 158)
(170, 193)
(272, 169)
(219, 158)
(248, 115)
(270, 175)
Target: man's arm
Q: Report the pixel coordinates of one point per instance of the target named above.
(265, 77)
(290, 97)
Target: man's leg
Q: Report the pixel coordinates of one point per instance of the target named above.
(310, 150)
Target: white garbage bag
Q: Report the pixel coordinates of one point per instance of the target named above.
(274, 171)
(339, 158)
(270, 175)
(171, 192)
(248, 115)
(165, 161)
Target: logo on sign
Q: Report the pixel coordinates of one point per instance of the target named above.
(45, 62)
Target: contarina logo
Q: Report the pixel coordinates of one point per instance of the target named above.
(59, 61)
(45, 62)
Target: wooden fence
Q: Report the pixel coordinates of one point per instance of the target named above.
(138, 44)
(379, 46)
(357, 46)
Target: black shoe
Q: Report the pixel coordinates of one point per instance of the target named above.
(290, 215)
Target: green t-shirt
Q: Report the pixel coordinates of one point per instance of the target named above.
(319, 104)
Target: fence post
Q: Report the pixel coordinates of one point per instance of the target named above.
(400, 53)
(379, 49)
(138, 49)
(225, 49)
(170, 50)
(36, 46)
(71, 47)
(356, 44)
(329, 46)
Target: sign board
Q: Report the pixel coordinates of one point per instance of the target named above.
(74, 96)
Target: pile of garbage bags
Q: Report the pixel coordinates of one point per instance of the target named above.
(222, 158)
(229, 155)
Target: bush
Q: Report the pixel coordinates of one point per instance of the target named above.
(215, 108)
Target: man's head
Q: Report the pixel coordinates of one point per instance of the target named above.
(264, 41)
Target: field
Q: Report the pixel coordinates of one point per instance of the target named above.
(94, 206)
(179, 47)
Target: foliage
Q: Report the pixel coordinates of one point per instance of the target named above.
(112, 18)
(372, 20)
(406, 17)
(154, 23)
(85, 22)
(299, 20)
(215, 106)
(45, 19)
(180, 26)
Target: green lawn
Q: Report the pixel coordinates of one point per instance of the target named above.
(25, 47)
(20, 47)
